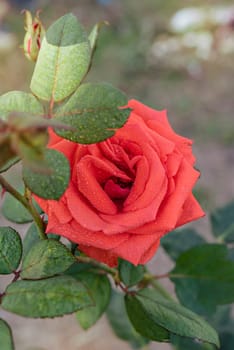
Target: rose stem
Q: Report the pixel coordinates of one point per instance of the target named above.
(104, 267)
(27, 204)
(150, 279)
(156, 285)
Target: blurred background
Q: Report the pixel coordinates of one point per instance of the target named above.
(174, 55)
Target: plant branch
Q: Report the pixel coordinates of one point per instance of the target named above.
(164, 275)
(152, 280)
(156, 285)
(27, 204)
(101, 266)
(16, 276)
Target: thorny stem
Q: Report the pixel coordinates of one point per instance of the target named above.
(27, 203)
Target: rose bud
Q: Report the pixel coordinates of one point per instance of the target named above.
(34, 35)
(126, 192)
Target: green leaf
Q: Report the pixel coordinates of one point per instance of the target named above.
(93, 36)
(6, 151)
(93, 112)
(181, 343)
(77, 268)
(52, 185)
(156, 317)
(14, 211)
(222, 223)
(6, 336)
(100, 291)
(45, 259)
(10, 250)
(119, 321)
(19, 101)
(178, 241)
(222, 319)
(204, 277)
(31, 238)
(50, 297)
(224, 323)
(130, 274)
(53, 236)
(63, 60)
(227, 340)
(9, 164)
(142, 322)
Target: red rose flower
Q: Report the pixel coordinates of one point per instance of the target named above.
(126, 192)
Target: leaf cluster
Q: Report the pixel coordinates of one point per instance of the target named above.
(59, 100)
(51, 278)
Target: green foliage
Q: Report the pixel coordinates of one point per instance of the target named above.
(222, 222)
(77, 268)
(9, 163)
(130, 274)
(6, 336)
(172, 242)
(30, 239)
(7, 153)
(93, 112)
(119, 321)
(223, 321)
(93, 36)
(14, 211)
(46, 258)
(63, 60)
(157, 318)
(190, 344)
(53, 282)
(19, 101)
(10, 250)
(100, 292)
(50, 297)
(204, 277)
(53, 184)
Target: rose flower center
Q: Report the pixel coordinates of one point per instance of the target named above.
(117, 189)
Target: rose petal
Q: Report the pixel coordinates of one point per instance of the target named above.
(150, 252)
(148, 113)
(131, 220)
(153, 185)
(191, 211)
(172, 207)
(183, 144)
(80, 235)
(173, 163)
(87, 175)
(86, 216)
(157, 120)
(138, 188)
(137, 248)
(102, 255)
